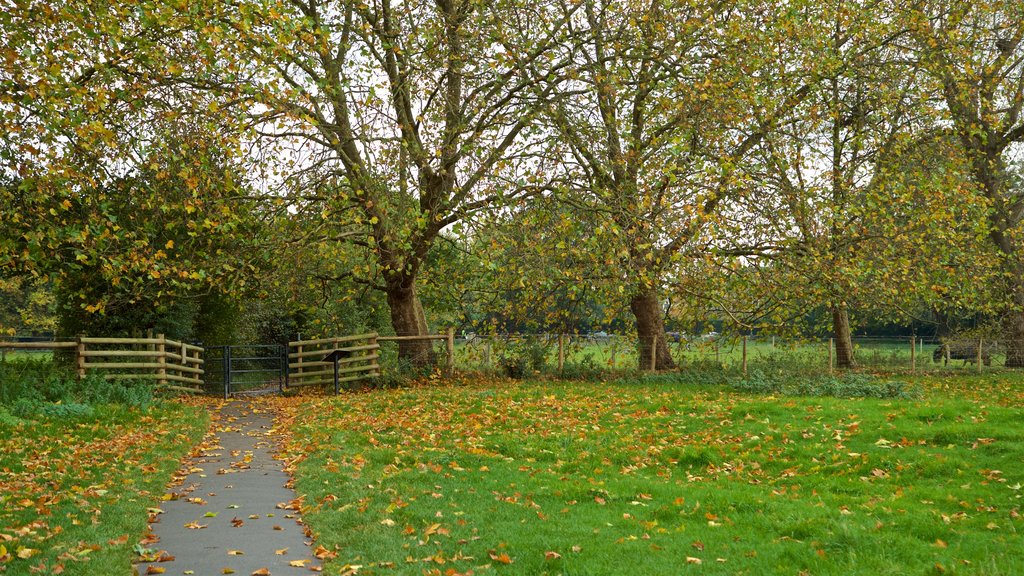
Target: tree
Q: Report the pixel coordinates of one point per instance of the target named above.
(403, 118)
(127, 197)
(658, 109)
(826, 168)
(974, 54)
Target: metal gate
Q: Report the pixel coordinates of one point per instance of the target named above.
(247, 369)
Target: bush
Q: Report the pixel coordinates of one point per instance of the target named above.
(849, 385)
(523, 357)
(585, 368)
(39, 387)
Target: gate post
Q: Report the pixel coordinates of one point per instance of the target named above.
(226, 361)
(284, 368)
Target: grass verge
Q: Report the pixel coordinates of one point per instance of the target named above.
(74, 488)
(660, 479)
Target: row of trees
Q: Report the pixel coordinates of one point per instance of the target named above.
(757, 158)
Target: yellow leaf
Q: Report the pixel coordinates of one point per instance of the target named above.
(169, 245)
(26, 553)
(235, 552)
(298, 563)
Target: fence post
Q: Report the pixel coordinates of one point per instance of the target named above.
(831, 360)
(80, 358)
(450, 346)
(561, 352)
(913, 354)
(225, 360)
(161, 350)
(981, 342)
(744, 355)
(373, 342)
(487, 353)
(718, 355)
(653, 360)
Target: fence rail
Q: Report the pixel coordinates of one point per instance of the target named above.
(342, 359)
(171, 364)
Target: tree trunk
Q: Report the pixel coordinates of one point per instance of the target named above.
(843, 339)
(650, 326)
(407, 319)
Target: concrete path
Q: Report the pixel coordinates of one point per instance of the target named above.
(233, 514)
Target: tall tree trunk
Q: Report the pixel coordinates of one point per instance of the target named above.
(843, 338)
(650, 327)
(408, 319)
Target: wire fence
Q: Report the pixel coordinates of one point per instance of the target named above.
(583, 354)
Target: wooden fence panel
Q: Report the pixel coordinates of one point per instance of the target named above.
(331, 361)
(159, 359)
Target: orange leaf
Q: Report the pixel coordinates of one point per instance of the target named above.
(502, 558)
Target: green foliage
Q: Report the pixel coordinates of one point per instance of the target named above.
(523, 357)
(847, 385)
(42, 387)
(583, 367)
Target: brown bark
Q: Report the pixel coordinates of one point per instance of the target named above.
(408, 319)
(650, 326)
(843, 338)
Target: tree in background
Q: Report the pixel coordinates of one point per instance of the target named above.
(823, 171)
(973, 53)
(659, 107)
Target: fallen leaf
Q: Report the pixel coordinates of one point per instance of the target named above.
(155, 570)
(502, 558)
(261, 572)
(552, 555)
(281, 552)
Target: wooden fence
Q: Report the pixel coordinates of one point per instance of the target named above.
(342, 359)
(331, 361)
(172, 365)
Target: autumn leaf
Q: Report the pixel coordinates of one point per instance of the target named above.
(551, 555)
(261, 572)
(502, 558)
(155, 570)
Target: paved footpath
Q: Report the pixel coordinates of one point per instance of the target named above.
(233, 514)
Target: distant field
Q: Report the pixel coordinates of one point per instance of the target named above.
(766, 354)
(555, 478)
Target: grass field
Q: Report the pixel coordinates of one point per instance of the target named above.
(541, 478)
(74, 489)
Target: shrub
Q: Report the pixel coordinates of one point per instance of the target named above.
(28, 386)
(523, 357)
(849, 385)
(585, 368)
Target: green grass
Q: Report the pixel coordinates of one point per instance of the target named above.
(74, 490)
(639, 478)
